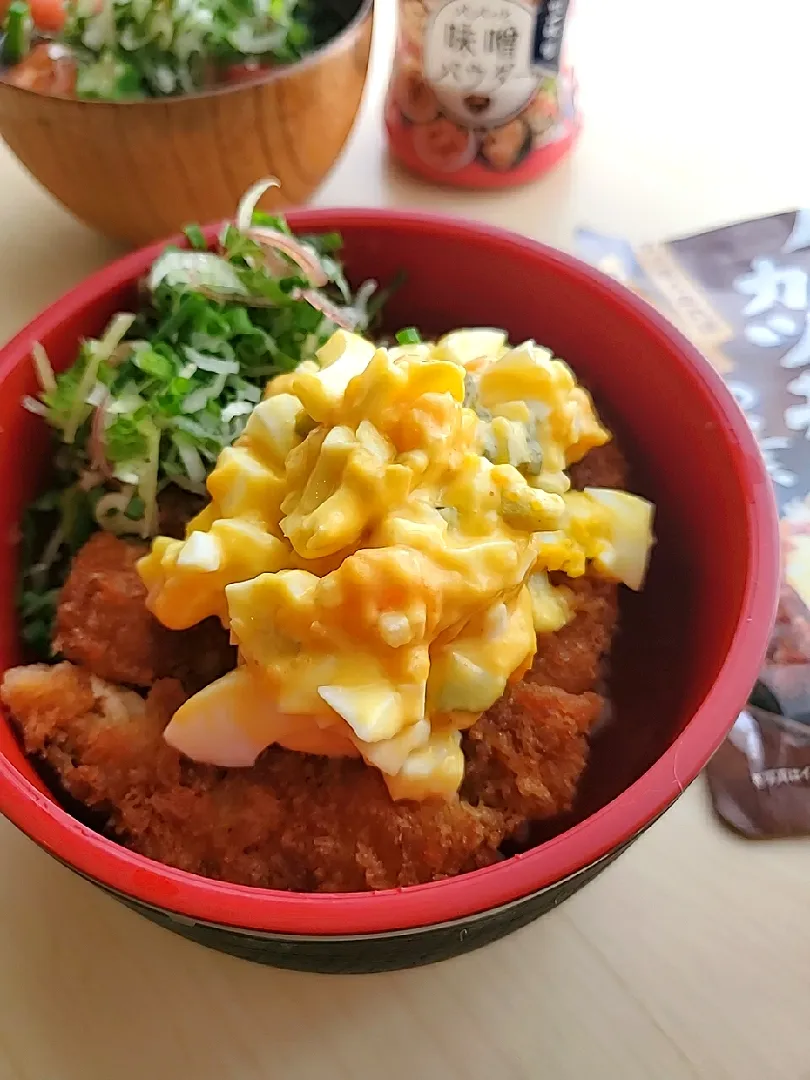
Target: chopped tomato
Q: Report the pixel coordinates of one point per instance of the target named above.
(238, 73)
(47, 70)
(48, 15)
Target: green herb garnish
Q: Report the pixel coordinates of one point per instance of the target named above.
(54, 527)
(16, 39)
(156, 398)
(410, 336)
(136, 48)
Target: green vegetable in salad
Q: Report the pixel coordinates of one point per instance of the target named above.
(153, 401)
(409, 336)
(16, 39)
(132, 48)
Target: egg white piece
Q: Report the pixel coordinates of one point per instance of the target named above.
(233, 720)
(631, 519)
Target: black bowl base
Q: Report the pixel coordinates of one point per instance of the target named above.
(367, 954)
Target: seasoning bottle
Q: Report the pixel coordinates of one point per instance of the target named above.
(481, 94)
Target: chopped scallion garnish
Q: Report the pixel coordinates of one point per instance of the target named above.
(16, 38)
(410, 336)
(155, 399)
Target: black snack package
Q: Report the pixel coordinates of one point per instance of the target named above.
(741, 293)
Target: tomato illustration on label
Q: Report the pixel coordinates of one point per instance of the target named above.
(444, 145)
(543, 110)
(414, 96)
(502, 148)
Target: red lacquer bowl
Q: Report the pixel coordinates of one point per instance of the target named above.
(687, 655)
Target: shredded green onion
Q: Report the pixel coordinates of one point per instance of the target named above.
(153, 48)
(155, 399)
(411, 336)
(16, 38)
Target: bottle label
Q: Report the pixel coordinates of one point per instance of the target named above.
(480, 83)
(478, 58)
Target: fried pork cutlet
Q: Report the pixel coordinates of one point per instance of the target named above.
(526, 755)
(291, 821)
(175, 509)
(294, 821)
(102, 623)
(603, 466)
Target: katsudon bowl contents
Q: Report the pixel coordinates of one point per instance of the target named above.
(384, 543)
(382, 547)
(342, 701)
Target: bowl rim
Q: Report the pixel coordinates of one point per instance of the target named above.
(313, 914)
(263, 78)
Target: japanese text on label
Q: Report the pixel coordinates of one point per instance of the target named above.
(477, 46)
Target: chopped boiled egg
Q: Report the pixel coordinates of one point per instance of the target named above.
(471, 347)
(342, 358)
(201, 551)
(433, 770)
(274, 426)
(629, 535)
(231, 721)
(379, 543)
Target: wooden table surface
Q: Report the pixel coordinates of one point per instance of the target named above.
(688, 957)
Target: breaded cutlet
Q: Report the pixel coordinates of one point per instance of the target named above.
(294, 821)
(527, 753)
(291, 821)
(103, 624)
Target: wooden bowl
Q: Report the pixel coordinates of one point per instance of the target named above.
(138, 171)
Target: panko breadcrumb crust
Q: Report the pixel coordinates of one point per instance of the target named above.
(294, 821)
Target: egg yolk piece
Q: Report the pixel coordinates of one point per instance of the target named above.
(379, 542)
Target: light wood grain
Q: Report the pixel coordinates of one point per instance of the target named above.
(686, 960)
(138, 171)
